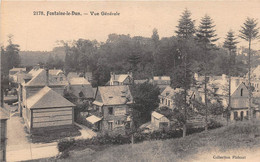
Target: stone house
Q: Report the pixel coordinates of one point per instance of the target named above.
(112, 106)
(121, 79)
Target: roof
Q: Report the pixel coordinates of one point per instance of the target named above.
(39, 79)
(18, 69)
(72, 75)
(162, 78)
(82, 91)
(170, 92)
(47, 98)
(78, 81)
(93, 119)
(120, 77)
(98, 103)
(3, 115)
(140, 81)
(157, 115)
(115, 95)
(55, 71)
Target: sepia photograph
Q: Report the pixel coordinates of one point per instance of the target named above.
(130, 81)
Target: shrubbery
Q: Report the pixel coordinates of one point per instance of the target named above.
(65, 145)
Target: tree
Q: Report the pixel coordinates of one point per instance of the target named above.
(185, 28)
(12, 54)
(156, 42)
(183, 75)
(145, 101)
(249, 32)
(206, 37)
(230, 44)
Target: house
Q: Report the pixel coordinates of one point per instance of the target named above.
(34, 81)
(120, 79)
(112, 107)
(14, 70)
(239, 102)
(3, 129)
(47, 108)
(162, 81)
(167, 97)
(57, 74)
(80, 90)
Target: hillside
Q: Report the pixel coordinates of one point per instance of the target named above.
(31, 58)
(240, 139)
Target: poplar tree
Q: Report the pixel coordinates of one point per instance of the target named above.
(206, 37)
(249, 32)
(230, 44)
(185, 31)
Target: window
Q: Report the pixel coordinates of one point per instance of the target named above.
(241, 92)
(110, 125)
(235, 115)
(110, 110)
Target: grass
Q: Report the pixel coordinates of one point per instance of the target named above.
(241, 135)
(47, 135)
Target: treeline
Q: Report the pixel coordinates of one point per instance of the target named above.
(147, 57)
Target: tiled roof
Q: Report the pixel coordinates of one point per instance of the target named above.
(78, 81)
(115, 95)
(39, 79)
(85, 90)
(47, 98)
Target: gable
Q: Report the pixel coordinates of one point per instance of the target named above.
(241, 91)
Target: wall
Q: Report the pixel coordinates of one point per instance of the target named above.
(3, 139)
(52, 117)
(118, 128)
(238, 115)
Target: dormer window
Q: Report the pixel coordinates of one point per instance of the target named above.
(241, 92)
(110, 97)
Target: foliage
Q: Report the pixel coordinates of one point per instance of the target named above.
(146, 99)
(186, 27)
(250, 30)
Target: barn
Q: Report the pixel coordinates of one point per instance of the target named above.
(48, 108)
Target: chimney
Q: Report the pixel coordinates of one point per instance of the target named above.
(47, 77)
(223, 77)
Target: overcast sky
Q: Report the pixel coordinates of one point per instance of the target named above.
(136, 18)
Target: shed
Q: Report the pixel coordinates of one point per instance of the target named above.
(48, 108)
(159, 121)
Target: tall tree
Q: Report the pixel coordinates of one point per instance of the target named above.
(230, 44)
(206, 37)
(185, 30)
(249, 32)
(156, 42)
(12, 53)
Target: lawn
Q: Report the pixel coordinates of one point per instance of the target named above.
(227, 140)
(47, 135)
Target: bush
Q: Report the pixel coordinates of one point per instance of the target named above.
(65, 144)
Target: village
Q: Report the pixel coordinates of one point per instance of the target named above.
(187, 89)
(47, 100)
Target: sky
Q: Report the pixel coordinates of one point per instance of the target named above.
(137, 18)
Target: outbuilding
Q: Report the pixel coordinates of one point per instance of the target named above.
(48, 108)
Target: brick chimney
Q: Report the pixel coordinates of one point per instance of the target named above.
(47, 77)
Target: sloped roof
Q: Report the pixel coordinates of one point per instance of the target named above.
(120, 77)
(18, 69)
(55, 71)
(93, 119)
(157, 115)
(47, 98)
(170, 92)
(78, 81)
(86, 90)
(39, 79)
(115, 95)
